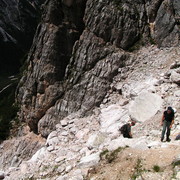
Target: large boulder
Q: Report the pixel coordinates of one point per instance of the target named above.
(145, 106)
(112, 118)
(96, 140)
(90, 160)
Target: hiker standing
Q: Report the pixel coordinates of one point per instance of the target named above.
(126, 129)
(167, 122)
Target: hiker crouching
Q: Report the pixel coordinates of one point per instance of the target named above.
(126, 129)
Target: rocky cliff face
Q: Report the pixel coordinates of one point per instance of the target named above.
(93, 65)
(78, 49)
(17, 27)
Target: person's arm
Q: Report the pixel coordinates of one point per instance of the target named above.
(162, 119)
(172, 122)
(129, 130)
(130, 134)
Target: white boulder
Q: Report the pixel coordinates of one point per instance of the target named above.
(96, 140)
(111, 118)
(145, 106)
(90, 160)
(39, 154)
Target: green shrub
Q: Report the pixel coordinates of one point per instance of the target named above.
(110, 156)
(138, 170)
(8, 108)
(156, 168)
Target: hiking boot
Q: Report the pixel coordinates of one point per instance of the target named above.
(168, 139)
(162, 139)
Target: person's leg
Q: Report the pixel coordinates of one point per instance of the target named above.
(126, 136)
(168, 131)
(163, 131)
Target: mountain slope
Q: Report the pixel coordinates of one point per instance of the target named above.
(60, 81)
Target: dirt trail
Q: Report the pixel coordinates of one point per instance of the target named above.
(132, 163)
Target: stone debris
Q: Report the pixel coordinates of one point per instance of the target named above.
(76, 143)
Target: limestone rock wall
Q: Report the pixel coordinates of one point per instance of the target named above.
(79, 47)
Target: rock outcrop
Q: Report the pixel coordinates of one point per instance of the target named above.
(65, 76)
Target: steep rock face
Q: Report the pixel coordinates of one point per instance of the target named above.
(56, 85)
(50, 53)
(17, 27)
(120, 22)
(166, 30)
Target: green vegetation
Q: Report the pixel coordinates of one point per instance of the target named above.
(156, 168)
(103, 153)
(138, 170)
(8, 109)
(151, 40)
(110, 156)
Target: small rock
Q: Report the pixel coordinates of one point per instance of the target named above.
(65, 177)
(14, 161)
(59, 159)
(2, 175)
(153, 144)
(60, 169)
(64, 123)
(167, 74)
(58, 126)
(105, 100)
(68, 168)
(50, 148)
(71, 121)
(175, 65)
(177, 93)
(123, 102)
(64, 133)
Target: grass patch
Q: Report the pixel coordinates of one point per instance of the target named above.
(110, 156)
(176, 163)
(103, 153)
(156, 168)
(138, 170)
